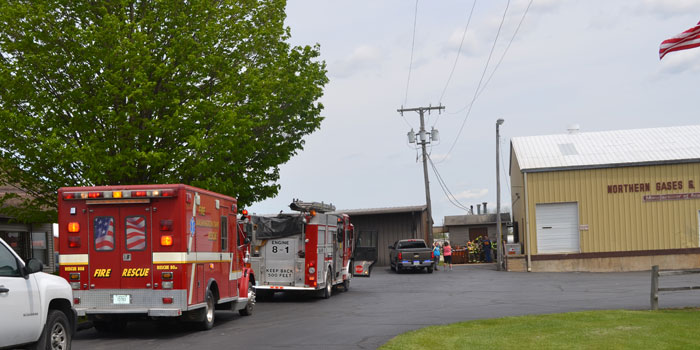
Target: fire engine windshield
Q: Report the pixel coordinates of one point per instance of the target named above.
(277, 227)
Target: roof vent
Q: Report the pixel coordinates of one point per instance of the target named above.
(573, 129)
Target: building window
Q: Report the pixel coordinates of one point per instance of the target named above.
(19, 242)
(40, 247)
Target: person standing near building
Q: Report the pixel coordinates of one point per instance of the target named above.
(471, 251)
(436, 254)
(447, 253)
(487, 249)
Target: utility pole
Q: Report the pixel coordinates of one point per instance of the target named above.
(424, 140)
(499, 239)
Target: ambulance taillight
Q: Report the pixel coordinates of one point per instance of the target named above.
(166, 225)
(74, 242)
(166, 240)
(73, 227)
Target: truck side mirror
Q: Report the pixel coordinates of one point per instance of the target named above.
(33, 266)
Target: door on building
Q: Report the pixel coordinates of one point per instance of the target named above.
(557, 228)
(476, 232)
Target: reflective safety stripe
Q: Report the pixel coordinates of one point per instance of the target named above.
(73, 259)
(186, 258)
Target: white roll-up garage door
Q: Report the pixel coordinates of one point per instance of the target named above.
(557, 228)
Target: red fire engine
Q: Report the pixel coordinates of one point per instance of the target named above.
(152, 250)
(309, 251)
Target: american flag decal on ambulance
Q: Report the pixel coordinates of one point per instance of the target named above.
(135, 233)
(104, 233)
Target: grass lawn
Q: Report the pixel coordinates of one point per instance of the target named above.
(615, 329)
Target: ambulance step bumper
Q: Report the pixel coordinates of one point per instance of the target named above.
(131, 301)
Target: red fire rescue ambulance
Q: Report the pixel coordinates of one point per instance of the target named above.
(309, 251)
(152, 250)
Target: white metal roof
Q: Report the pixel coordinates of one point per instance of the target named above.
(607, 148)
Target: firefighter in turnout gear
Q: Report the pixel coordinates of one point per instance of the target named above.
(471, 250)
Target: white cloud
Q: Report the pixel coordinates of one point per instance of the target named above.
(472, 194)
(666, 8)
(543, 6)
(470, 45)
(681, 62)
(361, 58)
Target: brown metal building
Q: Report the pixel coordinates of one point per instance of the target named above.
(463, 228)
(390, 225)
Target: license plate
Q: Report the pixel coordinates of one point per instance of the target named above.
(121, 299)
(416, 263)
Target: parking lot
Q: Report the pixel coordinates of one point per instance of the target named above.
(378, 308)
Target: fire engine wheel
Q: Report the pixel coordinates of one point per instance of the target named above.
(329, 287)
(208, 321)
(248, 309)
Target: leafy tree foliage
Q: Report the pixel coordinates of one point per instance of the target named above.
(204, 92)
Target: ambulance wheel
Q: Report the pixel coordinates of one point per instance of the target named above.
(208, 317)
(248, 309)
(326, 293)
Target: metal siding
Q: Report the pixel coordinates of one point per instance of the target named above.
(609, 147)
(390, 228)
(622, 221)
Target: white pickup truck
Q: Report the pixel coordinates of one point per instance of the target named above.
(36, 309)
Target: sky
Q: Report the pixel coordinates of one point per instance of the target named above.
(591, 63)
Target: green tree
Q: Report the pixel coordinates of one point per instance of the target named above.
(208, 93)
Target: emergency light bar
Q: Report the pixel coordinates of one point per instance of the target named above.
(119, 194)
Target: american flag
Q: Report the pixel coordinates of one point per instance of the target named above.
(104, 233)
(683, 41)
(135, 233)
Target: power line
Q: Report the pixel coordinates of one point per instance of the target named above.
(476, 92)
(522, 19)
(507, 47)
(410, 65)
(443, 185)
(459, 52)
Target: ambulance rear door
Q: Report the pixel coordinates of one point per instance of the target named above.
(120, 247)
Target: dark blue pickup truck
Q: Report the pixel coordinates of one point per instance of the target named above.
(411, 254)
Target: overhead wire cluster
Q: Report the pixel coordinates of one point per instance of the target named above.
(481, 86)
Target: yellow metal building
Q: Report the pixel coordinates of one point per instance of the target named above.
(607, 201)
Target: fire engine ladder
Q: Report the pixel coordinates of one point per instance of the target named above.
(302, 206)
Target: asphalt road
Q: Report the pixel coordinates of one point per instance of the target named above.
(378, 308)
